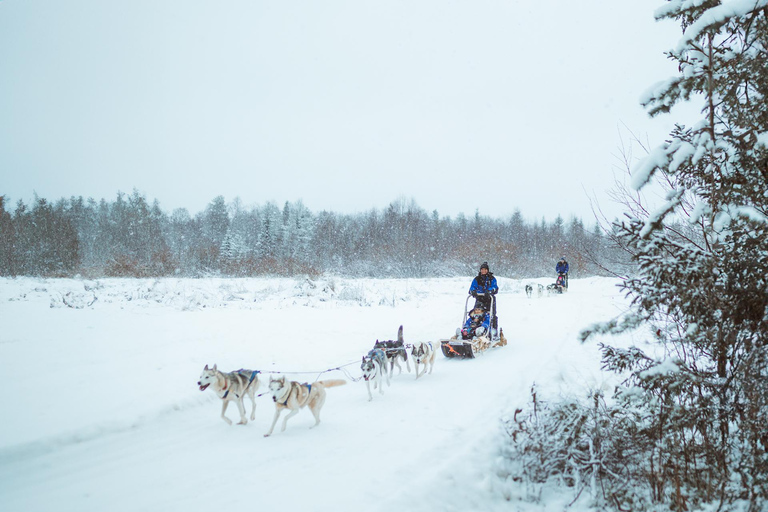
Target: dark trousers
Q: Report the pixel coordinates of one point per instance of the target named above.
(485, 303)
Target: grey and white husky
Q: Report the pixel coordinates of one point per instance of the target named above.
(291, 395)
(231, 387)
(374, 368)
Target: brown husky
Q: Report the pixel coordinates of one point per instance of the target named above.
(293, 396)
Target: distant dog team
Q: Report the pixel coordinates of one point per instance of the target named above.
(540, 289)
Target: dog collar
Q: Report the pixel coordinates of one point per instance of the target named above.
(287, 394)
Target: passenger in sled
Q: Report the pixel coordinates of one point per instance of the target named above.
(478, 323)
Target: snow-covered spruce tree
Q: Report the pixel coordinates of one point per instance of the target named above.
(688, 427)
(705, 401)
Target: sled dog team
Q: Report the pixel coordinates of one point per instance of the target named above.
(558, 287)
(377, 367)
(379, 364)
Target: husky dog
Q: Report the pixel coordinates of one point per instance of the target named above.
(540, 288)
(423, 353)
(291, 395)
(554, 288)
(231, 387)
(395, 351)
(374, 367)
(528, 290)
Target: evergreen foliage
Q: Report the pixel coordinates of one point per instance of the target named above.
(129, 237)
(689, 419)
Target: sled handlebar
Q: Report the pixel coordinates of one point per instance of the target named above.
(466, 304)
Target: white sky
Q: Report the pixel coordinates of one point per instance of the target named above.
(346, 105)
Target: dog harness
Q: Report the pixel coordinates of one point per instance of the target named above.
(288, 394)
(239, 372)
(226, 385)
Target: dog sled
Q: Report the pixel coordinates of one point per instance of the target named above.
(468, 345)
(560, 285)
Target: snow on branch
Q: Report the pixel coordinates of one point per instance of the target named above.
(673, 7)
(657, 158)
(716, 16)
(655, 220)
(762, 140)
(750, 213)
(667, 367)
(724, 218)
(663, 95)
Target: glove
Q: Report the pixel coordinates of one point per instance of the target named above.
(473, 293)
(479, 331)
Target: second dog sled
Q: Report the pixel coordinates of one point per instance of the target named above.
(468, 347)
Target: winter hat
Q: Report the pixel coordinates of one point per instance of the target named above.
(484, 266)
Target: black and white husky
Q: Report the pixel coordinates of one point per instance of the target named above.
(395, 351)
(374, 368)
(423, 353)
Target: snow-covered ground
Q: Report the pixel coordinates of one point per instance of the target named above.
(101, 410)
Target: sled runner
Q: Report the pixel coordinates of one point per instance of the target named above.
(466, 343)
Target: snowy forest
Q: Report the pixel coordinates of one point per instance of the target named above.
(129, 237)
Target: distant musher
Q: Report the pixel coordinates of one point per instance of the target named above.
(562, 270)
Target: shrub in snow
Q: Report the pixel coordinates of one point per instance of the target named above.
(354, 293)
(590, 450)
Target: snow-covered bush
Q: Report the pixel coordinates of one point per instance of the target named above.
(591, 450)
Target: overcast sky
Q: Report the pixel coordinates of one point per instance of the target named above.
(345, 105)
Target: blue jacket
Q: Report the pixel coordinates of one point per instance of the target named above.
(470, 327)
(561, 267)
(484, 284)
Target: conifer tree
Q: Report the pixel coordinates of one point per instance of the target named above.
(703, 290)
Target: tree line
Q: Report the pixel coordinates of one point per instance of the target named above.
(129, 237)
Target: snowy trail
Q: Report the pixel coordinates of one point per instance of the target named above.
(140, 436)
